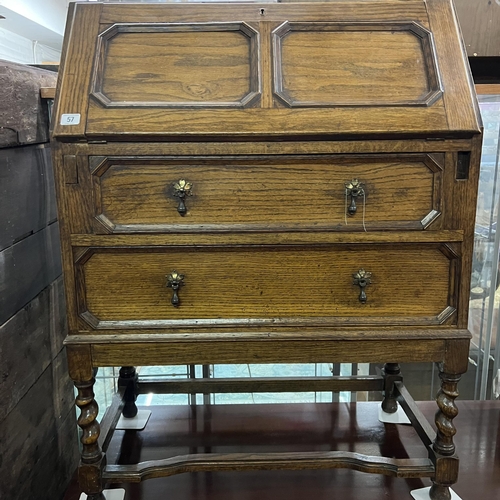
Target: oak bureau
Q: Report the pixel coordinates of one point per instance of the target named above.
(291, 182)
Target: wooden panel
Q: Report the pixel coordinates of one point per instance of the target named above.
(38, 439)
(479, 21)
(48, 92)
(72, 93)
(342, 10)
(272, 334)
(56, 465)
(488, 89)
(256, 238)
(57, 316)
(23, 115)
(354, 64)
(268, 285)
(319, 351)
(138, 195)
(252, 148)
(177, 65)
(28, 201)
(383, 61)
(30, 340)
(25, 351)
(180, 124)
(413, 78)
(27, 267)
(462, 111)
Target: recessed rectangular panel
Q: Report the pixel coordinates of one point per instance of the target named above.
(328, 64)
(395, 191)
(268, 284)
(177, 65)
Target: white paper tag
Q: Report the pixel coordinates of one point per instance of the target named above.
(70, 119)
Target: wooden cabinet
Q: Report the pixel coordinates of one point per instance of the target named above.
(273, 183)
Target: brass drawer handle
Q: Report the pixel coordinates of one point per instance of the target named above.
(362, 278)
(182, 188)
(354, 188)
(175, 281)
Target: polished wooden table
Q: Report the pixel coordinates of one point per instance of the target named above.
(179, 430)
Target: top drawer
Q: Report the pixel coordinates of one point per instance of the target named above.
(151, 194)
(340, 68)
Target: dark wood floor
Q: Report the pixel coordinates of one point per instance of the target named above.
(179, 430)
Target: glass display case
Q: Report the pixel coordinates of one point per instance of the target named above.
(485, 286)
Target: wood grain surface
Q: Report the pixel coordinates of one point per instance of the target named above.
(28, 267)
(453, 65)
(273, 351)
(137, 195)
(273, 238)
(28, 201)
(267, 110)
(38, 437)
(144, 123)
(72, 92)
(278, 284)
(125, 146)
(359, 67)
(391, 71)
(167, 67)
(344, 11)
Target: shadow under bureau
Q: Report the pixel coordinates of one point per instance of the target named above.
(266, 183)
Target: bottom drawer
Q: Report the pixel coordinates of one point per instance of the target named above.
(124, 288)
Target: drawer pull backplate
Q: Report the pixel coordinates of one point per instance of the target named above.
(175, 281)
(362, 278)
(353, 189)
(182, 188)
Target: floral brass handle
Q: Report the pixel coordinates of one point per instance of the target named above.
(353, 189)
(362, 278)
(182, 188)
(175, 281)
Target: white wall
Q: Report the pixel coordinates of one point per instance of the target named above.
(15, 48)
(50, 14)
(32, 31)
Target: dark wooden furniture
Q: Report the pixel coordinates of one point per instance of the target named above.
(35, 389)
(267, 183)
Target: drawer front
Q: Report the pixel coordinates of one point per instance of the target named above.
(268, 285)
(372, 192)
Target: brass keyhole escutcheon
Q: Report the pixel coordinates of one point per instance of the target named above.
(362, 279)
(174, 281)
(354, 189)
(182, 188)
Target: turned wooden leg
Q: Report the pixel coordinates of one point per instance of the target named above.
(447, 461)
(391, 374)
(447, 411)
(128, 380)
(92, 460)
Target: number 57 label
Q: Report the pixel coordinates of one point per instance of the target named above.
(70, 119)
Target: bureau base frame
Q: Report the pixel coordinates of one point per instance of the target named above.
(441, 466)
